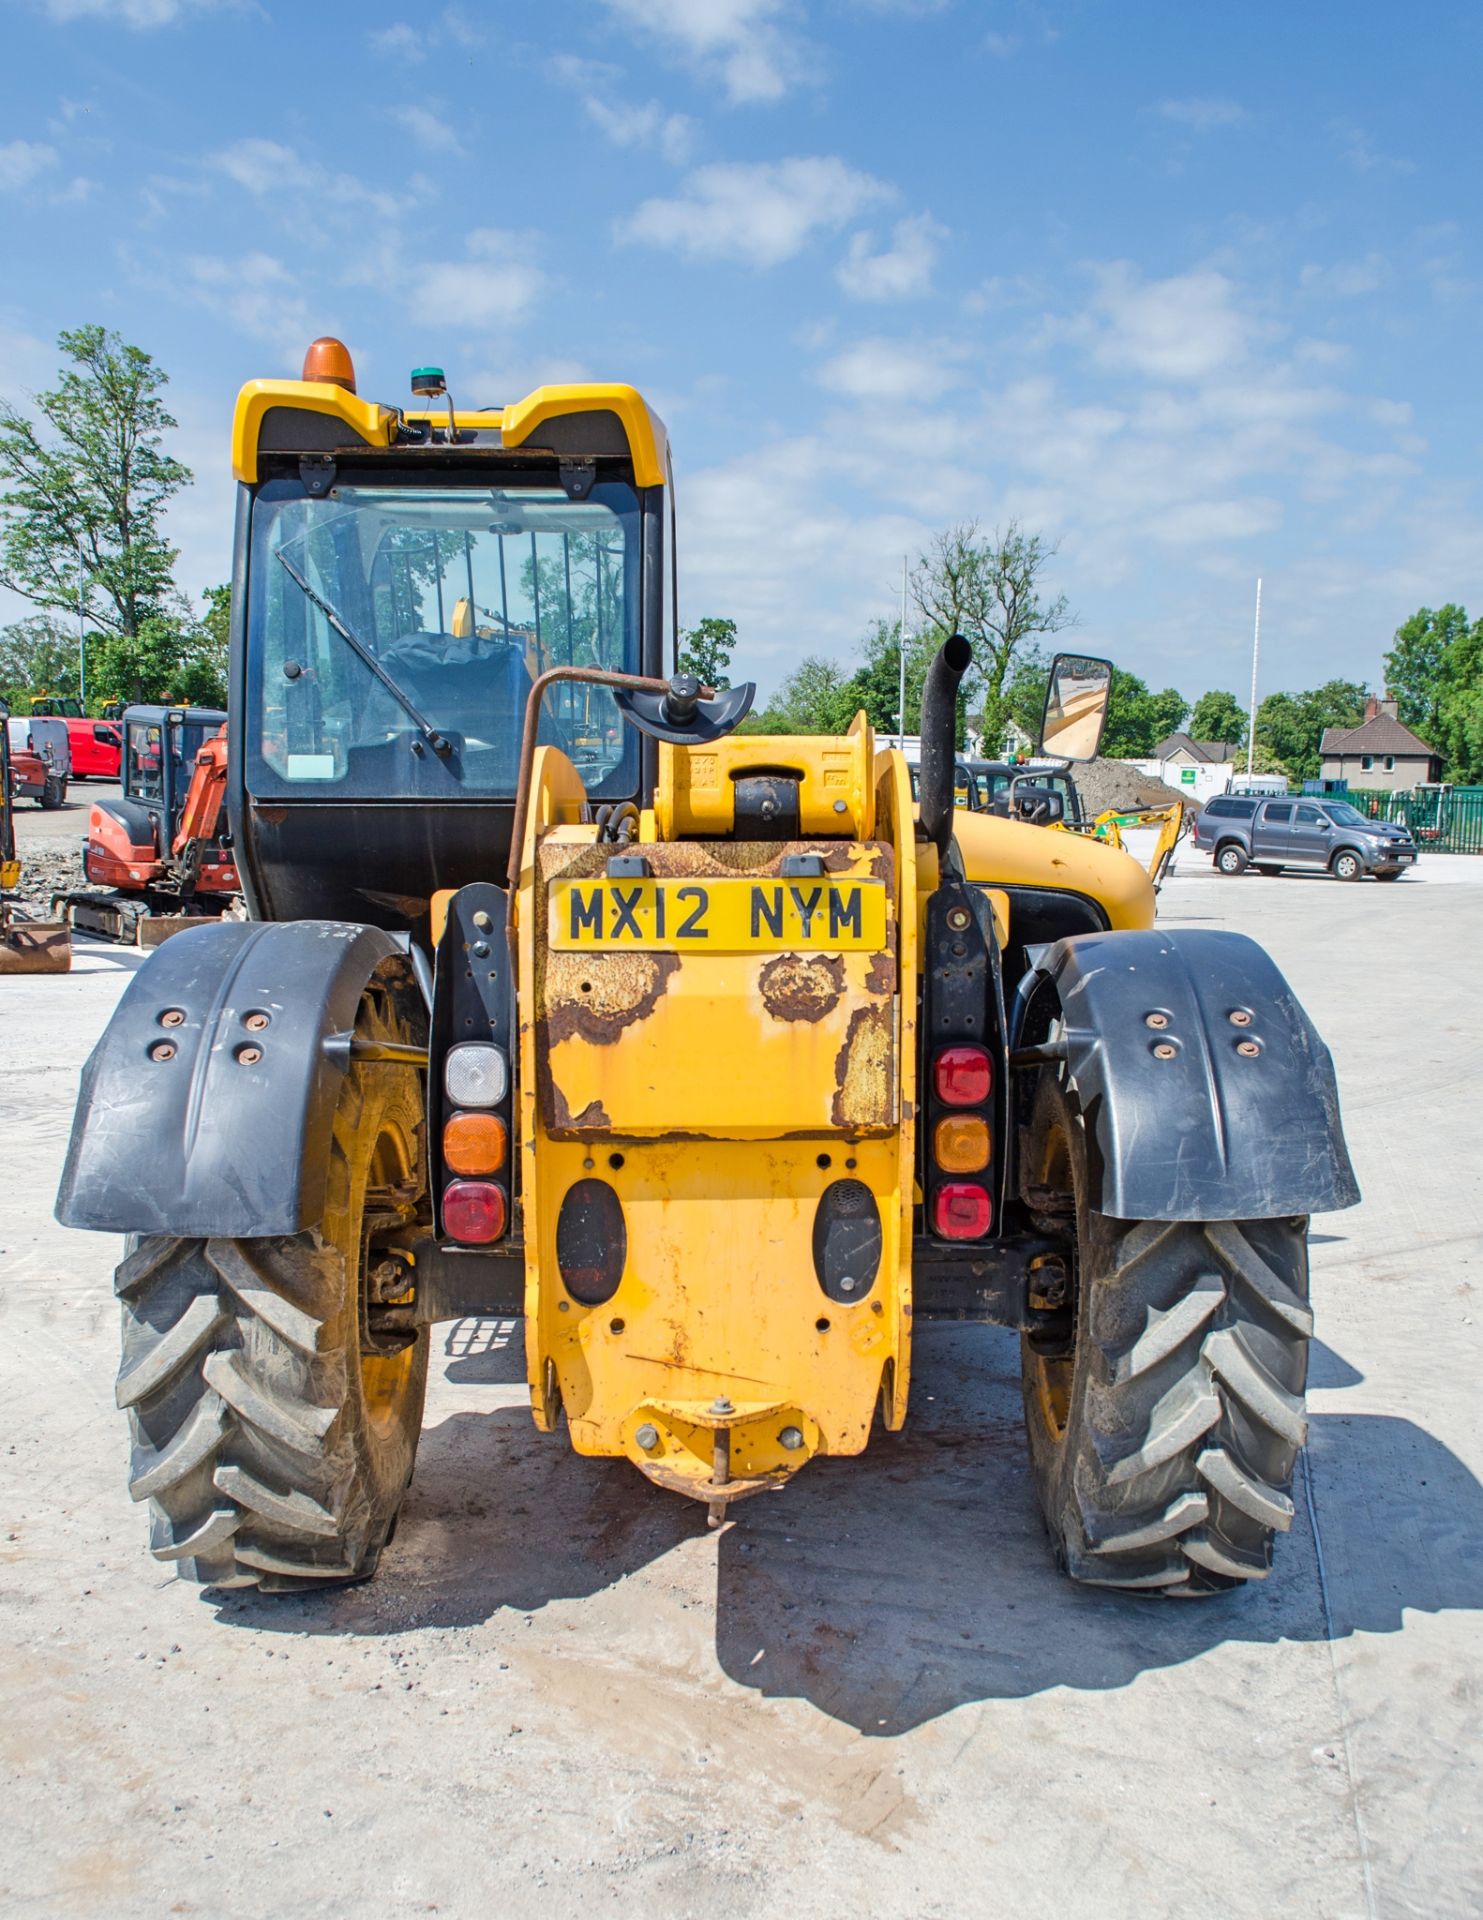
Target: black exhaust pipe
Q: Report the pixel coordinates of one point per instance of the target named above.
(940, 739)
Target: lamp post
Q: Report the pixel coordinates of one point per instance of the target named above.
(901, 664)
(82, 678)
(1256, 650)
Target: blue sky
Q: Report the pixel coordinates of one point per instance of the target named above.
(1193, 291)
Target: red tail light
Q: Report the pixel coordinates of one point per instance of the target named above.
(473, 1211)
(962, 1212)
(963, 1076)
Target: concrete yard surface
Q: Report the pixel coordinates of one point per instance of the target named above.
(872, 1695)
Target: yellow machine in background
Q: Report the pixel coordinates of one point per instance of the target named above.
(719, 1058)
(1168, 823)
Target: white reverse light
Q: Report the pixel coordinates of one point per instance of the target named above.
(476, 1076)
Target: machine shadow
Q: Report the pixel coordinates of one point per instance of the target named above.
(890, 1590)
(499, 1517)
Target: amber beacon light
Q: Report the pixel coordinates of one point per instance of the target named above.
(329, 360)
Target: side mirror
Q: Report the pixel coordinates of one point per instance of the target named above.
(1076, 702)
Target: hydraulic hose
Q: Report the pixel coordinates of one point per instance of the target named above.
(940, 738)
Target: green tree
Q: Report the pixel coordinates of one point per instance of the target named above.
(1219, 716)
(1024, 697)
(140, 666)
(706, 650)
(815, 698)
(1138, 719)
(176, 658)
(875, 685)
(1292, 724)
(989, 588)
(1420, 669)
(91, 474)
(202, 678)
(1459, 736)
(37, 656)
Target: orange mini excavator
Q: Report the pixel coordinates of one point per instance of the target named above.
(163, 849)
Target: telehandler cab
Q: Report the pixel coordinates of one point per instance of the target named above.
(712, 1055)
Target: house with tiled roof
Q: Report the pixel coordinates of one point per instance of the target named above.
(1380, 752)
(1183, 751)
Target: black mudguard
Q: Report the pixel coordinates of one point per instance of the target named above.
(1211, 1132)
(203, 1143)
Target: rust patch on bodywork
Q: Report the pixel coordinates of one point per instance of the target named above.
(600, 995)
(862, 1072)
(795, 988)
(880, 975)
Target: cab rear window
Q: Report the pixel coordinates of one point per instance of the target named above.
(1226, 806)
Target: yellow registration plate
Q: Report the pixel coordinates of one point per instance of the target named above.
(718, 916)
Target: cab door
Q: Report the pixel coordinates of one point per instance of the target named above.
(1271, 832)
(1312, 836)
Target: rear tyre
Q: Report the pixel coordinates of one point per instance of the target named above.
(1346, 865)
(53, 792)
(1230, 860)
(273, 1433)
(1165, 1411)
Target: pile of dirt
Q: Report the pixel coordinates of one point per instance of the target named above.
(1105, 784)
(46, 870)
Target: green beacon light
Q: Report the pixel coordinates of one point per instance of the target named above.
(428, 383)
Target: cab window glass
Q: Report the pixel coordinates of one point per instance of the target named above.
(1280, 815)
(461, 597)
(146, 763)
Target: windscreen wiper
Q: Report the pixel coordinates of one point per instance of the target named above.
(439, 742)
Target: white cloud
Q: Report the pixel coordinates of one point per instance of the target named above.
(738, 43)
(1348, 278)
(460, 29)
(761, 213)
(430, 130)
(891, 373)
(1001, 45)
(902, 271)
(1360, 152)
(266, 167)
(1203, 115)
(256, 294)
(620, 120)
(398, 42)
(497, 286)
(646, 126)
(1186, 327)
(765, 544)
(22, 161)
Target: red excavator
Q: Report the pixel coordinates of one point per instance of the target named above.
(164, 848)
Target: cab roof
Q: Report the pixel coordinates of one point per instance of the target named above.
(581, 421)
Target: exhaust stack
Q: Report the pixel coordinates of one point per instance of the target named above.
(940, 738)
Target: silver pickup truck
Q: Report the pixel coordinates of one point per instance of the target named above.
(1249, 830)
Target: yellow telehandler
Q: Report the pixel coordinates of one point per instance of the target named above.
(716, 1057)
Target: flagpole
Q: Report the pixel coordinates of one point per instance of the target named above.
(1256, 650)
(901, 664)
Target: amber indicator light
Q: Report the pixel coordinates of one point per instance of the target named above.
(960, 1143)
(474, 1143)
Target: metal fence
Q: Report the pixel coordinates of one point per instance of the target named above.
(1441, 820)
